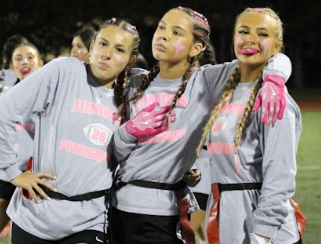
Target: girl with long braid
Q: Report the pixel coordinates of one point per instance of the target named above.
(64, 194)
(253, 164)
(150, 197)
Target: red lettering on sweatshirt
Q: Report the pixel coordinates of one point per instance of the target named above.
(27, 127)
(83, 151)
(92, 108)
(164, 99)
(234, 108)
(166, 136)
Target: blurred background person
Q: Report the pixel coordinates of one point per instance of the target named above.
(81, 43)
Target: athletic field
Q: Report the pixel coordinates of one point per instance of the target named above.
(308, 193)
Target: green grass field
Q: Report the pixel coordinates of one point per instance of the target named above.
(308, 193)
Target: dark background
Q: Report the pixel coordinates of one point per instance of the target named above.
(50, 25)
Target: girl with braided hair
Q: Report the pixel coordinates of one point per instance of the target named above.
(150, 197)
(253, 164)
(65, 193)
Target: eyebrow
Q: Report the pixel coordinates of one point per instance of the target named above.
(26, 54)
(105, 40)
(175, 26)
(260, 28)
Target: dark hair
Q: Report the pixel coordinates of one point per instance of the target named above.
(121, 78)
(208, 56)
(141, 62)
(86, 35)
(8, 48)
(201, 32)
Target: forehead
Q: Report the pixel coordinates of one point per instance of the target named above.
(116, 35)
(77, 39)
(178, 18)
(24, 50)
(256, 20)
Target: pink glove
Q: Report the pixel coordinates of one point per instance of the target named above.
(149, 122)
(272, 98)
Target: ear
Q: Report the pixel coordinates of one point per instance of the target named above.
(40, 63)
(91, 46)
(277, 48)
(196, 49)
(132, 60)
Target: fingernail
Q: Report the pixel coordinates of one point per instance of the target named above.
(55, 189)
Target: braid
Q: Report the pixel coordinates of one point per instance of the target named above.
(247, 111)
(139, 91)
(119, 90)
(181, 90)
(227, 93)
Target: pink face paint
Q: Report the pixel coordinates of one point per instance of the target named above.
(120, 59)
(155, 36)
(238, 42)
(266, 45)
(179, 47)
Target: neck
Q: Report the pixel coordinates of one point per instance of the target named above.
(172, 71)
(249, 73)
(105, 83)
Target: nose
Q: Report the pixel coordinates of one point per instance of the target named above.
(107, 53)
(25, 60)
(251, 39)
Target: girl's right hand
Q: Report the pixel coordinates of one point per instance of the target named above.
(32, 181)
(149, 121)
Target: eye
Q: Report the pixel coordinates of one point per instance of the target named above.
(102, 44)
(18, 58)
(263, 34)
(31, 57)
(177, 33)
(243, 32)
(120, 50)
(161, 27)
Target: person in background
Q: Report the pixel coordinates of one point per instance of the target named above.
(7, 77)
(253, 164)
(80, 44)
(24, 60)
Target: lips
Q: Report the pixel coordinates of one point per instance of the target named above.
(25, 71)
(103, 65)
(160, 47)
(248, 51)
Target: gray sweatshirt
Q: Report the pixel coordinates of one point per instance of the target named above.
(74, 126)
(266, 154)
(167, 156)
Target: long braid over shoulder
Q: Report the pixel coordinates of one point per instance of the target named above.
(247, 111)
(227, 94)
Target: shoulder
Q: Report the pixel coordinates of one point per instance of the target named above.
(137, 77)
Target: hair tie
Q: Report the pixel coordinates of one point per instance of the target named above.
(113, 20)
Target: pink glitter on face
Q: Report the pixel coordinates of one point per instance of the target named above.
(179, 47)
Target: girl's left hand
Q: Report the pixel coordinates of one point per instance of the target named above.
(192, 177)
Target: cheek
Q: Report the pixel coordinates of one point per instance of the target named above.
(238, 41)
(265, 45)
(155, 36)
(97, 52)
(120, 59)
(179, 47)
